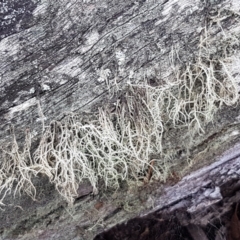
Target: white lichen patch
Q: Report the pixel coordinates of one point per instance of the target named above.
(168, 7)
(235, 133)
(41, 8)
(235, 6)
(92, 38)
(9, 46)
(20, 107)
(32, 90)
(189, 4)
(120, 56)
(70, 67)
(46, 87)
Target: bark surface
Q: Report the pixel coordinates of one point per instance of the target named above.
(60, 56)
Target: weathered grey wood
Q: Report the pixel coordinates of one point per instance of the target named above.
(60, 56)
(69, 44)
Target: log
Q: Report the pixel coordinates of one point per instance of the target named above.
(81, 64)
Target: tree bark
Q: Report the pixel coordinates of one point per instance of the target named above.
(60, 57)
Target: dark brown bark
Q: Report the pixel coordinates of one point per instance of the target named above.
(200, 206)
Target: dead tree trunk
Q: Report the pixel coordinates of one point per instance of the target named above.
(62, 58)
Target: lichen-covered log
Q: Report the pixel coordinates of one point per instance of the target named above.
(165, 77)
